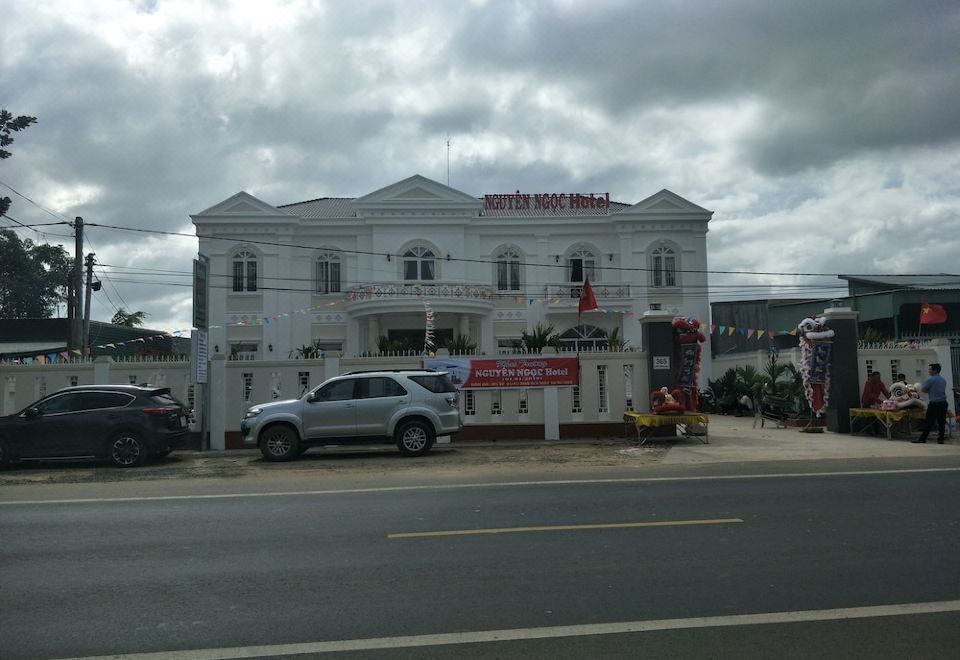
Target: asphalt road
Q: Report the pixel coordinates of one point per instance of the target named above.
(844, 565)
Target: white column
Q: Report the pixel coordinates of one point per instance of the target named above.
(218, 401)
(101, 370)
(373, 333)
(351, 343)
(464, 325)
(942, 348)
(487, 343)
(331, 364)
(10, 395)
(551, 413)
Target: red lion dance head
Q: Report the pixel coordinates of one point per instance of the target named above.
(687, 340)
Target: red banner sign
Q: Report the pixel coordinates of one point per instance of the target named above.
(507, 372)
(545, 201)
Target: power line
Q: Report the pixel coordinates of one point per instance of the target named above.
(494, 261)
(42, 208)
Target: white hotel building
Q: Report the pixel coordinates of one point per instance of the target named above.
(342, 273)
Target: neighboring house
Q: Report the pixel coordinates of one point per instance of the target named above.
(343, 273)
(888, 308)
(29, 338)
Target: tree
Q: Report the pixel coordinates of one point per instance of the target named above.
(33, 278)
(128, 319)
(10, 124)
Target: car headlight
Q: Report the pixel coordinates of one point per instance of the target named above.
(253, 412)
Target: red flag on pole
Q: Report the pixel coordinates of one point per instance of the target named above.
(587, 300)
(931, 314)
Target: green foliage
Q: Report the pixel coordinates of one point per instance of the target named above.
(461, 344)
(10, 124)
(33, 278)
(385, 345)
(871, 335)
(542, 336)
(128, 319)
(616, 342)
(307, 352)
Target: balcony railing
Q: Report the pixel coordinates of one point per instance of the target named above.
(401, 291)
(602, 290)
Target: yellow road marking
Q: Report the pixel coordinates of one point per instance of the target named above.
(563, 528)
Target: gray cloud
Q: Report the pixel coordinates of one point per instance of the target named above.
(814, 130)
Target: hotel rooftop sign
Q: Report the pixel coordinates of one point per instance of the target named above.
(545, 201)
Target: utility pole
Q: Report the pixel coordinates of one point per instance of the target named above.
(91, 286)
(75, 301)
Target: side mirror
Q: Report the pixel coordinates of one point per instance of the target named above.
(32, 413)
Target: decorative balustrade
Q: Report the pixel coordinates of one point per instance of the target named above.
(601, 290)
(400, 291)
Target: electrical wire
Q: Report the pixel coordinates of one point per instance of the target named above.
(493, 261)
(42, 208)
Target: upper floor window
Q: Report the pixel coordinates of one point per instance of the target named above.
(664, 267)
(328, 273)
(581, 263)
(508, 270)
(244, 271)
(419, 263)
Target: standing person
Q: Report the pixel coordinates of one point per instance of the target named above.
(936, 388)
(874, 391)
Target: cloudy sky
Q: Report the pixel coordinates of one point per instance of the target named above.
(824, 135)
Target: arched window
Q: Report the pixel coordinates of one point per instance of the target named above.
(328, 273)
(663, 266)
(419, 263)
(244, 271)
(583, 338)
(581, 263)
(508, 270)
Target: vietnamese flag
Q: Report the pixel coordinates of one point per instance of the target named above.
(587, 300)
(931, 314)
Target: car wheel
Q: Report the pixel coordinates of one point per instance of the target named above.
(414, 438)
(127, 449)
(279, 443)
(4, 454)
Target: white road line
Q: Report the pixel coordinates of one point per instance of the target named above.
(491, 484)
(485, 636)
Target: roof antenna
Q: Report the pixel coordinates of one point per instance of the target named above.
(448, 161)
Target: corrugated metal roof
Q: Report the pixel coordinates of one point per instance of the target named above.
(943, 281)
(324, 207)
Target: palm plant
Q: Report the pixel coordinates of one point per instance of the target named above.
(307, 352)
(387, 345)
(460, 344)
(542, 336)
(615, 341)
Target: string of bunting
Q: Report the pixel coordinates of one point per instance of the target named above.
(749, 333)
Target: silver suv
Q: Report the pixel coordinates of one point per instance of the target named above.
(409, 408)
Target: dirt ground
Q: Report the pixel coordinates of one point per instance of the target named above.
(366, 461)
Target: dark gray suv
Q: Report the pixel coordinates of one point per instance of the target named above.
(409, 408)
(124, 423)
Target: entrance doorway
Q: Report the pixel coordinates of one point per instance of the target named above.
(412, 340)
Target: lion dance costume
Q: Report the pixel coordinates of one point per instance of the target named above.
(687, 340)
(815, 347)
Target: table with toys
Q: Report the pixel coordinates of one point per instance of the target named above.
(668, 409)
